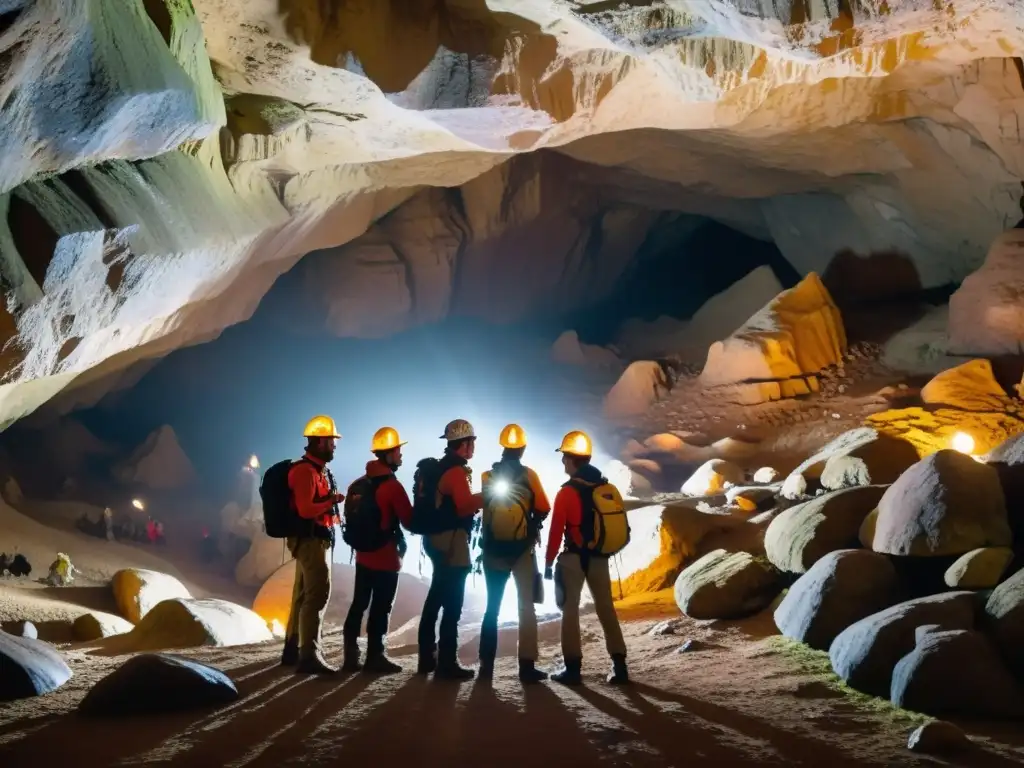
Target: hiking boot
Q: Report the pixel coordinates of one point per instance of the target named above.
(380, 664)
(351, 660)
(619, 674)
(427, 664)
(450, 669)
(290, 653)
(486, 670)
(528, 672)
(570, 673)
(314, 665)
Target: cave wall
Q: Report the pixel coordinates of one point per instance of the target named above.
(165, 161)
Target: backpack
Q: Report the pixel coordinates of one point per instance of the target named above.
(280, 520)
(427, 517)
(508, 525)
(603, 525)
(361, 529)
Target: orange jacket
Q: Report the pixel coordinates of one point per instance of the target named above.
(455, 484)
(565, 522)
(393, 502)
(311, 491)
(541, 505)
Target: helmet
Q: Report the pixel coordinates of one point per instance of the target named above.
(576, 443)
(459, 429)
(386, 439)
(512, 436)
(321, 426)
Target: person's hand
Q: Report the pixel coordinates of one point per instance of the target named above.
(338, 497)
(548, 575)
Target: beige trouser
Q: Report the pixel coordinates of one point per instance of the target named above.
(451, 547)
(496, 573)
(310, 595)
(569, 581)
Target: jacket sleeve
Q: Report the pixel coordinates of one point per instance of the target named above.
(302, 480)
(556, 533)
(397, 503)
(456, 483)
(540, 499)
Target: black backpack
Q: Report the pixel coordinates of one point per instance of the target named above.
(361, 529)
(427, 517)
(280, 520)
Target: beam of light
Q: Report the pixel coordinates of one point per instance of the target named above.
(963, 443)
(137, 503)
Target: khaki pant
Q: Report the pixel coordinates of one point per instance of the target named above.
(310, 595)
(569, 580)
(450, 548)
(496, 573)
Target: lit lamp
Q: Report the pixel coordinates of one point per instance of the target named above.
(254, 463)
(137, 503)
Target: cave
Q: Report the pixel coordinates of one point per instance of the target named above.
(767, 256)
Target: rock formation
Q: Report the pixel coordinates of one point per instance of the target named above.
(164, 165)
(158, 464)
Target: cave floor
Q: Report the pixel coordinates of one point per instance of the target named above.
(739, 695)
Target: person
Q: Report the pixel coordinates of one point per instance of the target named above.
(381, 503)
(108, 523)
(515, 506)
(582, 560)
(160, 533)
(448, 549)
(151, 530)
(315, 500)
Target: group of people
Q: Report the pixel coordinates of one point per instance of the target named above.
(588, 525)
(125, 529)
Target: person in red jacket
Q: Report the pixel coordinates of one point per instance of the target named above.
(377, 570)
(315, 500)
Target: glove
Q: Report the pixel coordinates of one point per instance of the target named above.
(548, 575)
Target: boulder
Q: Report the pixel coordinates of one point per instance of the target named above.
(1005, 612)
(946, 504)
(839, 590)
(866, 533)
(724, 585)
(885, 458)
(568, 350)
(938, 738)
(23, 629)
(29, 667)
(956, 672)
(797, 334)
(844, 472)
(794, 487)
(712, 477)
(632, 481)
(865, 653)
(766, 475)
(641, 384)
(137, 590)
(751, 498)
(979, 568)
(971, 386)
(159, 464)
(158, 682)
(803, 534)
(188, 623)
(986, 313)
(265, 556)
(97, 625)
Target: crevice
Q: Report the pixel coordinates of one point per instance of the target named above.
(8, 18)
(33, 237)
(77, 183)
(160, 16)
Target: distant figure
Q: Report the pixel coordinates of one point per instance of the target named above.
(151, 531)
(160, 533)
(108, 522)
(62, 572)
(19, 566)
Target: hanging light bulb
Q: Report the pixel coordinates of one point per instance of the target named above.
(137, 503)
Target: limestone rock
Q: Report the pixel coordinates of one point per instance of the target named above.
(885, 458)
(23, 629)
(803, 534)
(971, 386)
(1005, 612)
(946, 504)
(866, 534)
(798, 333)
(956, 672)
(158, 682)
(30, 668)
(189, 623)
(985, 313)
(265, 556)
(765, 475)
(724, 585)
(97, 625)
(569, 350)
(794, 487)
(137, 591)
(681, 449)
(641, 384)
(938, 737)
(159, 464)
(632, 480)
(752, 498)
(865, 653)
(839, 590)
(844, 472)
(979, 568)
(923, 346)
(712, 477)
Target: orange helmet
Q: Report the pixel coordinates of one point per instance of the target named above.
(576, 443)
(386, 439)
(321, 426)
(512, 436)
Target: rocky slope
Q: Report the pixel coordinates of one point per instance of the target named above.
(165, 161)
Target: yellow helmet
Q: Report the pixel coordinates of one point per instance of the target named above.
(386, 439)
(512, 436)
(321, 426)
(576, 443)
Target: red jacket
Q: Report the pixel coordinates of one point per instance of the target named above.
(565, 522)
(455, 484)
(394, 503)
(311, 491)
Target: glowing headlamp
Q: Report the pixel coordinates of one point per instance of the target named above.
(500, 488)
